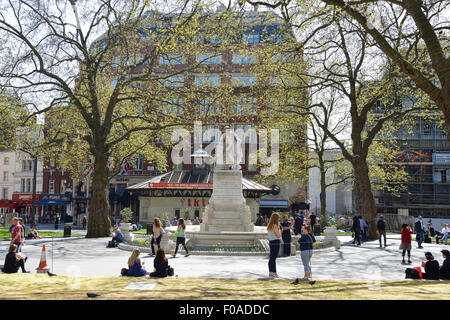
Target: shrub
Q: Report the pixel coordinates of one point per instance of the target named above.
(126, 214)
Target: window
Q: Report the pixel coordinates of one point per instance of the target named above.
(251, 38)
(245, 106)
(427, 129)
(209, 58)
(284, 57)
(4, 193)
(5, 175)
(28, 187)
(22, 185)
(239, 58)
(443, 176)
(51, 186)
(173, 107)
(172, 59)
(275, 38)
(207, 81)
(27, 165)
(208, 107)
(243, 81)
(138, 162)
(175, 81)
(6, 161)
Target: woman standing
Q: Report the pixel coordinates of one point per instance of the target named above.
(157, 234)
(135, 266)
(161, 265)
(405, 245)
(274, 235)
(306, 250)
(181, 237)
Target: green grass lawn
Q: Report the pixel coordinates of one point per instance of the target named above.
(36, 286)
(5, 234)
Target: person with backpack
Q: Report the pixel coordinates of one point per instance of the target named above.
(419, 229)
(356, 228)
(161, 265)
(135, 266)
(181, 237)
(298, 225)
(405, 244)
(158, 232)
(381, 228)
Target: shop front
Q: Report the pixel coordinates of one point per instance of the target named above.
(55, 205)
(186, 193)
(23, 205)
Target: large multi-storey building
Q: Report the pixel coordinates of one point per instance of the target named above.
(425, 156)
(218, 66)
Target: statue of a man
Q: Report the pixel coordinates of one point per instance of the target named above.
(231, 155)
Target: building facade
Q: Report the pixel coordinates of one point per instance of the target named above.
(425, 156)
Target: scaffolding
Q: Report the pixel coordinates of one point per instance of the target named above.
(425, 156)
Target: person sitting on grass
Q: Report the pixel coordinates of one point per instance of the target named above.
(14, 261)
(135, 265)
(33, 234)
(161, 264)
(444, 271)
(431, 267)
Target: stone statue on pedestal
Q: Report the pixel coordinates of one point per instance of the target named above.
(227, 209)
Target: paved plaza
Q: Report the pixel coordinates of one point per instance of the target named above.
(90, 257)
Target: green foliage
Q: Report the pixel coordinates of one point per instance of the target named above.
(187, 214)
(164, 218)
(126, 214)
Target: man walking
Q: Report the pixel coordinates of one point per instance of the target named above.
(381, 227)
(286, 235)
(419, 229)
(16, 234)
(298, 224)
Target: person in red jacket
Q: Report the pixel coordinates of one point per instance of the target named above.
(405, 245)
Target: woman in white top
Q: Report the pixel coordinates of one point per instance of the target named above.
(274, 234)
(158, 232)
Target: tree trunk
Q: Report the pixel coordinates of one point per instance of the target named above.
(323, 200)
(364, 197)
(99, 224)
(33, 208)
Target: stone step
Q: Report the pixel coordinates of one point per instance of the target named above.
(225, 221)
(226, 215)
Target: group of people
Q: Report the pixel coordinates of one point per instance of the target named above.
(360, 229)
(424, 234)
(160, 262)
(15, 259)
(432, 269)
(277, 230)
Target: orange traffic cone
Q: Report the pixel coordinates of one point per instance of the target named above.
(43, 263)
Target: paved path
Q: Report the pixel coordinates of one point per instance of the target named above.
(91, 257)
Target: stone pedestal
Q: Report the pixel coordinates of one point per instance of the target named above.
(227, 209)
(330, 236)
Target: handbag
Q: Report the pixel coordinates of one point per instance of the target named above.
(170, 271)
(175, 234)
